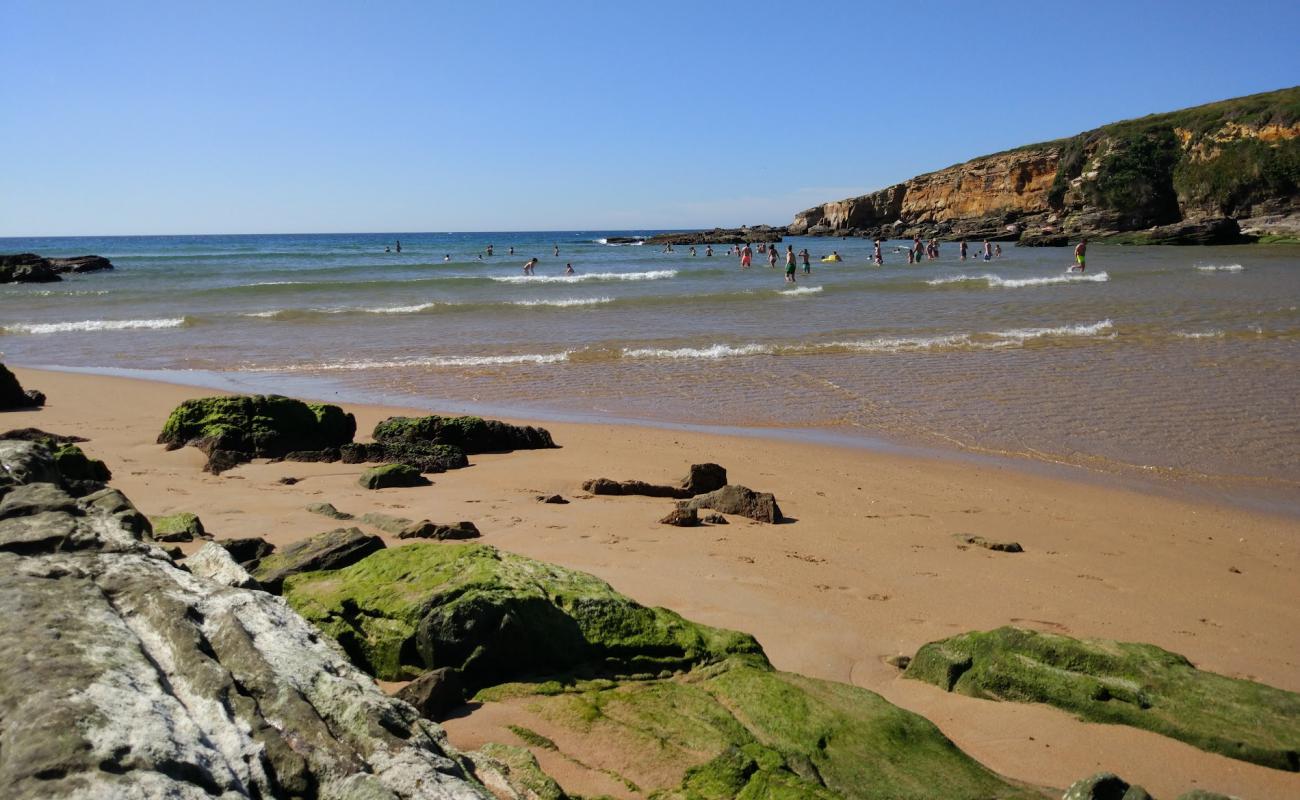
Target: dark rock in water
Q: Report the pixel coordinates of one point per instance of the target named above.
(80, 264)
(127, 676)
(1120, 683)
(714, 519)
(756, 234)
(26, 268)
(741, 501)
(606, 486)
(704, 478)
(424, 529)
(496, 617)
(391, 476)
(12, 395)
(325, 551)
(328, 510)
(1043, 239)
(1220, 230)
(552, 499)
(248, 551)
(435, 693)
(1104, 786)
(179, 527)
(1001, 547)
(682, 518)
(234, 430)
(385, 522)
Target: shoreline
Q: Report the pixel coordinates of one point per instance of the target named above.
(869, 568)
(1126, 477)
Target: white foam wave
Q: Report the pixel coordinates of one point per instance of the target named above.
(391, 309)
(801, 290)
(1210, 334)
(652, 275)
(1025, 334)
(1221, 268)
(274, 283)
(716, 351)
(565, 303)
(998, 282)
(91, 325)
(272, 314)
(65, 293)
(885, 344)
(430, 361)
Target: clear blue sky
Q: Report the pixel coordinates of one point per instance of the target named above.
(225, 117)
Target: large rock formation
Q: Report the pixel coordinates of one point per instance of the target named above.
(758, 233)
(1197, 176)
(1121, 683)
(437, 444)
(12, 394)
(31, 268)
(124, 675)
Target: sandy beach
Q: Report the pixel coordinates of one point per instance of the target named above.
(870, 565)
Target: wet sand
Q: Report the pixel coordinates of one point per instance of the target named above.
(871, 565)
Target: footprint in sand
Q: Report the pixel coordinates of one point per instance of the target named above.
(879, 598)
(804, 557)
(745, 559)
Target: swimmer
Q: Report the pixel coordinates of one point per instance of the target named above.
(489, 251)
(875, 254)
(708, 250)
(399, 245)
(512, 249)
(568, 269)
(557, 251)
(807, 268)
(387, 249)
(447, 257)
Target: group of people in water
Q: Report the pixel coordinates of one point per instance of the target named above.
(916, 252)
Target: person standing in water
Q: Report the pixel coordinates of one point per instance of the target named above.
(1080, 254)
(557, 250)
(771, 258)
(692, 249)
(875, 254)
(489, 251)
(708, 250)
(963, 249)
(512, 249)
(399, 245)
(789, 263)
(746, 256)
(803, 254)
(997, 251)
(529, 265)
(988, 251)
(568, 268)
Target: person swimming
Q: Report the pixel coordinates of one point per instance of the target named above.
(568, 269)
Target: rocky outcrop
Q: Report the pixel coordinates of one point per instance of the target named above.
(392, 476)
(237, 429)
(436, 444)
(1120, 683)
(12, 394)
(606, 486)
(424, 529)
(742, 501)
(31, 268)
(495, 616)
(179, 527)
(754, 235)
(126, 676)
(331, 550)
(1185, 177)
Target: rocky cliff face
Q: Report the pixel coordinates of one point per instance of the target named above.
(1223, 172)
(128, 676)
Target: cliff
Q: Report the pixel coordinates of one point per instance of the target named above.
(1222, 172)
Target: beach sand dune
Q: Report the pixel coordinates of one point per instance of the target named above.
(872, 565)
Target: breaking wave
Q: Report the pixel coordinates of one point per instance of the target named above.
(998, 282)
(652, 275)
(92, 325)
(1221, 268)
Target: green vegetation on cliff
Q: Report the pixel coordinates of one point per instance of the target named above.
(1120, 683)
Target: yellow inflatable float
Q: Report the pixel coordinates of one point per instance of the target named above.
(832, 258)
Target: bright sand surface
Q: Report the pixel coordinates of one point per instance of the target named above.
(870, 566)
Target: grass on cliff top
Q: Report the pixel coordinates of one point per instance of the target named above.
(739, 729)
(1120, 683)
(404, 610)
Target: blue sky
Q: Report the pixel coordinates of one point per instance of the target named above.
(178, 117)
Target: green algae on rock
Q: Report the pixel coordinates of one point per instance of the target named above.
(496, 617)
(180, 527)
(739, 729)
(1120, 683)
(389, 476)
(325, 551)
(232, 430)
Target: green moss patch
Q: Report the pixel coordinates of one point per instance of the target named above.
(179, 527)
(239, 428)
(1120, 683)
(497, 617)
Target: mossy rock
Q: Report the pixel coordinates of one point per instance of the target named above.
(388, 476)
(76, 466)
(257, 426)
(496, 617)
(1120, 683)
(317, 554)
(514, 769)
(180, 527)
(469, 434)
(739, 729)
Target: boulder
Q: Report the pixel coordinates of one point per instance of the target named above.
(328, 510)
(512, 773)
(126, 676)
(76, 466)
(12, 395)
(495, 616)
(704, 478)
(756, 234)
(385, 522)
(179, 527)
(606, 486)
(436, 444)
(26, 268)
(1120, 683)
(390, 476)
(739, 500)
(434, 693)
(214, 563)
(27, 462)
(79, 264)
(237, 429)
(424, 529)
(1104, 786)
(682, 518)
(552, 499)
(248, 551)
(331, 550)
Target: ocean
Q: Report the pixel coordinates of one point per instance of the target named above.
(1176, 367)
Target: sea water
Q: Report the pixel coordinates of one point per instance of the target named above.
(1174, 364)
